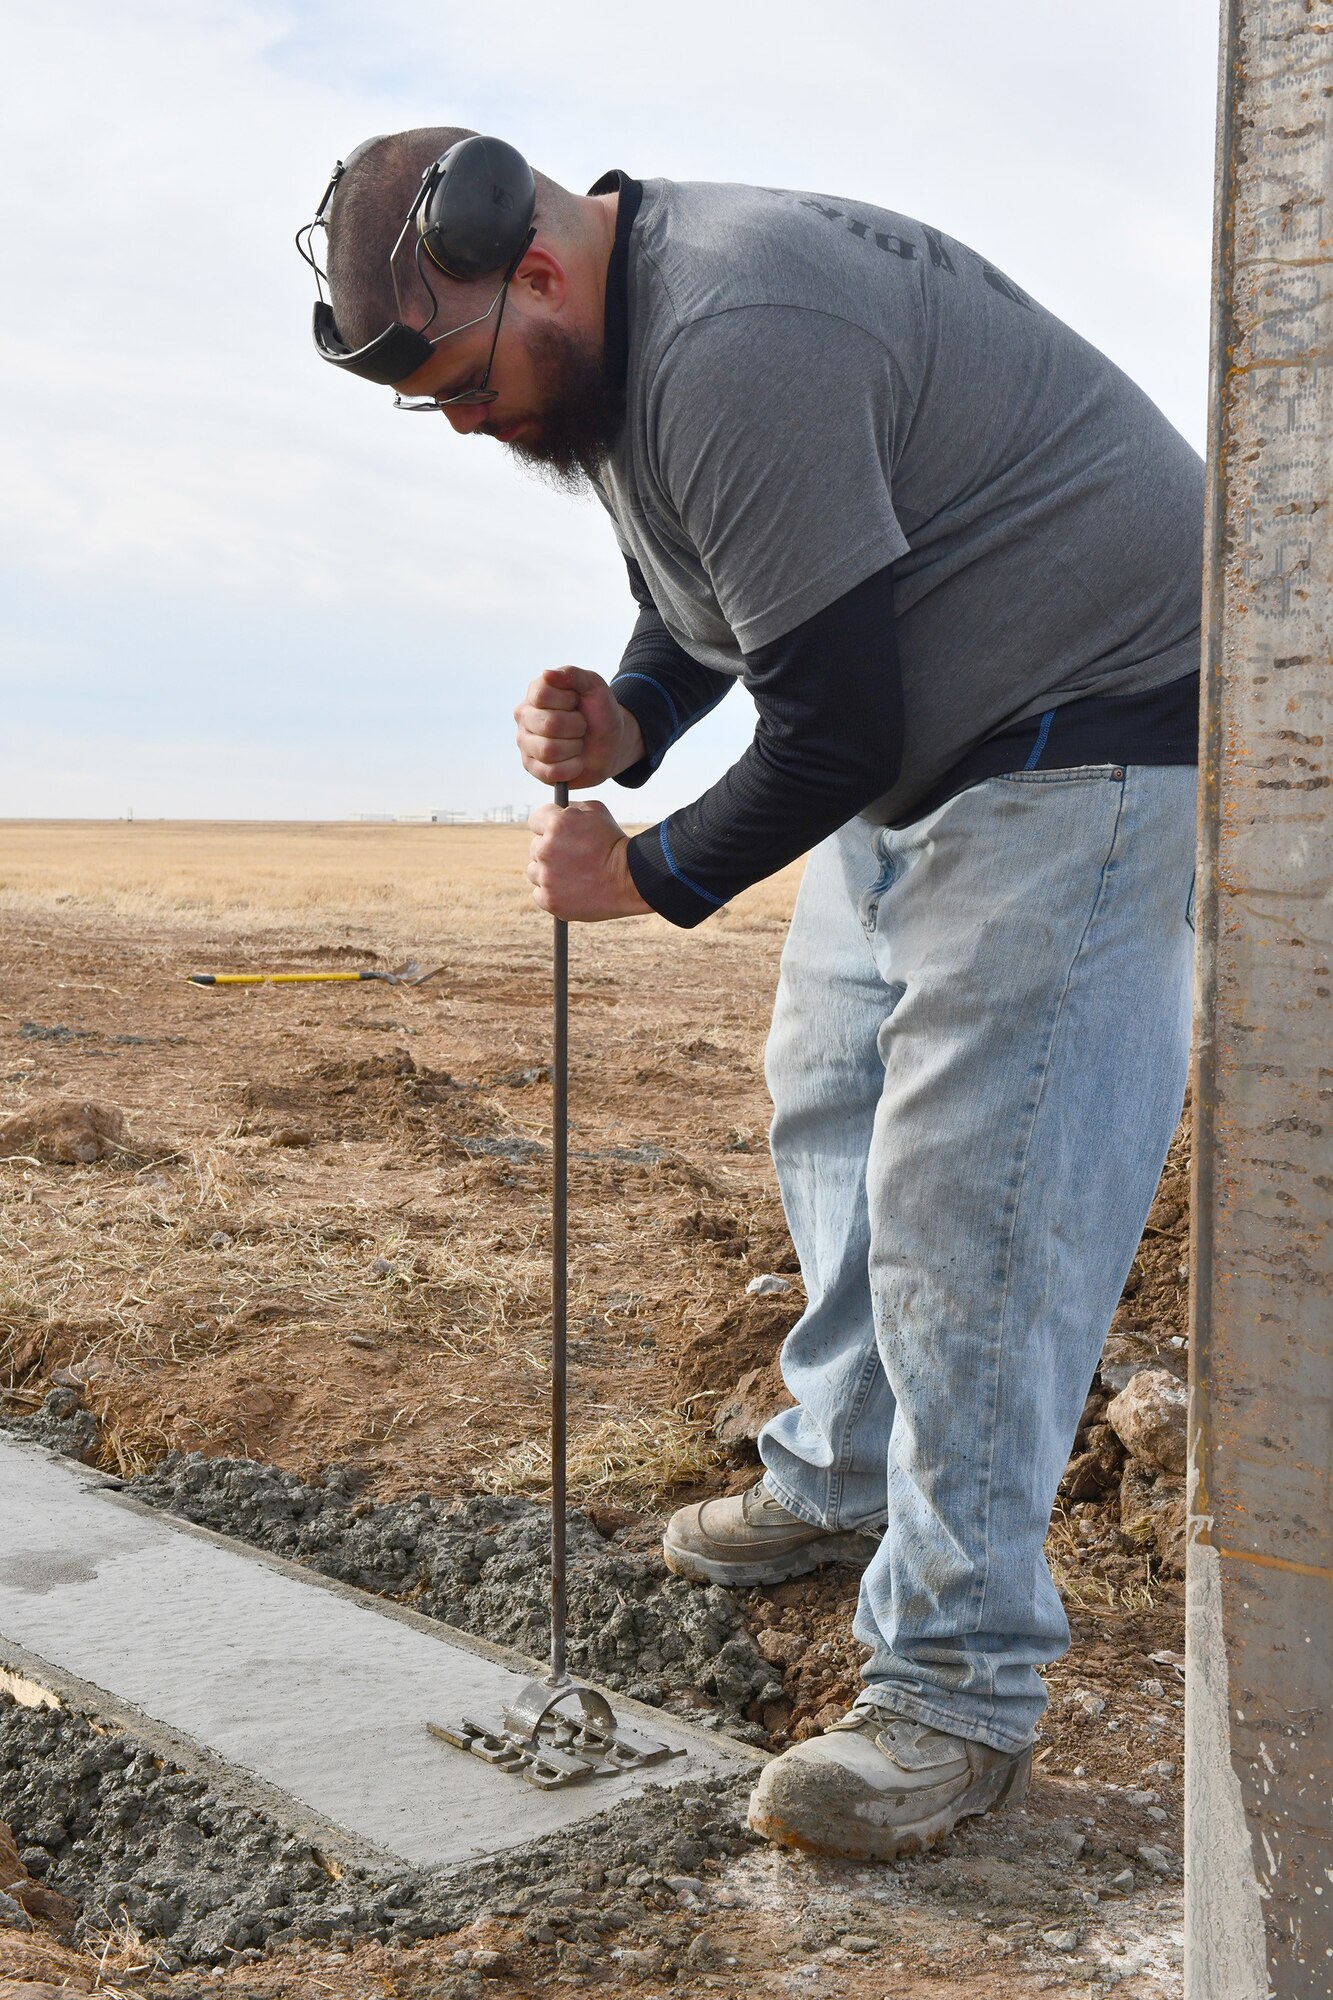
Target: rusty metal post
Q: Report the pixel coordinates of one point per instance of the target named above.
(1259, 1787)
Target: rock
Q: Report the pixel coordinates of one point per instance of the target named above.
(1158, 1860)
(1148, 1416)
(1060, 1940)
(1089, 1705)
(65, 1132)
(93, 1368)
(781, 1648)
(491, 1964)
(853, 1941)
(1118, 1374)
(766, 1283)
(1097, 1468)
(13, 1914)
(703, 1955)
(1123, 1882)
(1069, 1839)
(759, 1395)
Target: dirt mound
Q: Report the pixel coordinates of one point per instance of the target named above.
(746, 1335)
(483, 1567)
(68, 1132)
(429, 1109)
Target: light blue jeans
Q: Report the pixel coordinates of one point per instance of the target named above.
(977, 1061)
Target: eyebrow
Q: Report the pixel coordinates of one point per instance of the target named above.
(456, 388)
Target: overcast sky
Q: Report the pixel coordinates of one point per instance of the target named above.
(236, 584)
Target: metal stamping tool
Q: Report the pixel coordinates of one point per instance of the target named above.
(532, 1738)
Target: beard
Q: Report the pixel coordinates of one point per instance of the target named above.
(581, 415)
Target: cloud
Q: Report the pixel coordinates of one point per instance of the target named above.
(193, 504)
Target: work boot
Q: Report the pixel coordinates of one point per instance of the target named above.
(876, 1785)
(751, 1538)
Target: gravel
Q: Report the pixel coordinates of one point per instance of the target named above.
(105, 1822)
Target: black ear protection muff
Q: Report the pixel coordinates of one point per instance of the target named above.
(475, 208)
(471, 216)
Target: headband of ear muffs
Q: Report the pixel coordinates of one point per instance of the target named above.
(473, 216)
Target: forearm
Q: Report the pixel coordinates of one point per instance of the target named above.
(829, 740)
(664, 690)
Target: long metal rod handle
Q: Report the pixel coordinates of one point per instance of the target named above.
(559, 1279)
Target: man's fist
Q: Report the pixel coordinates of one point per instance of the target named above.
(579, 868)
(573, 731)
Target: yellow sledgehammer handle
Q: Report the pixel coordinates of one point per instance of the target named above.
(278, 978)
(315, 978)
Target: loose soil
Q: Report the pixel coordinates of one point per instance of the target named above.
(300, 1293)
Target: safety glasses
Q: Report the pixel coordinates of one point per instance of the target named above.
(400, 350)
(464, 398)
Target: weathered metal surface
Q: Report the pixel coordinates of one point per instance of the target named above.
(1259, 1857)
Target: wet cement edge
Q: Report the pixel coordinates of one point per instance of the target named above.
(232, 1780)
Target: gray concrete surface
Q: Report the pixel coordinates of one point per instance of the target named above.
(318, 1693)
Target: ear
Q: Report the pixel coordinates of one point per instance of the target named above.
(541, 279)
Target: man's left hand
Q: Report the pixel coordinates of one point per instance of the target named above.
(580, 865)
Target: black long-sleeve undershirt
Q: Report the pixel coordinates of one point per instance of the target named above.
(661, 686)
(828, 741)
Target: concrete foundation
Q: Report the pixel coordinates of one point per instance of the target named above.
(308, 1694)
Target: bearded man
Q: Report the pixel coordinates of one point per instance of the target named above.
(954, 555)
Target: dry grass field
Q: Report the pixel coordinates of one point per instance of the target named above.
(321, 1234)
(372, 1154)
(250, 873)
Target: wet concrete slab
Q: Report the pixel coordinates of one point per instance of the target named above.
(315, 1694)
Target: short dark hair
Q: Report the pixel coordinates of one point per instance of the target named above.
(365, 218)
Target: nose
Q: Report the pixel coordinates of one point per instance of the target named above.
(467, 417)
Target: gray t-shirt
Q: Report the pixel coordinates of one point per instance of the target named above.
(817, 388)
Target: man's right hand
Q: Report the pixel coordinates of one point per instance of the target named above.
(573, 731)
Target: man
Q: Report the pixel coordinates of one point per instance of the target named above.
(954, 555)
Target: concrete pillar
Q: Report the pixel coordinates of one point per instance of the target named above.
(1258, 1852)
